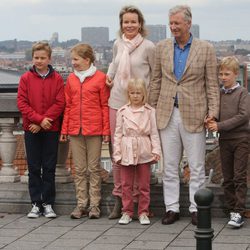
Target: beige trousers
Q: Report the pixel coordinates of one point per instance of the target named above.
(174, 138)
(86, 152)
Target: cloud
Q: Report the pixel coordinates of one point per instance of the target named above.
(38, 19)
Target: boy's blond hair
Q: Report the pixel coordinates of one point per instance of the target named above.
(138, 84)
(231, 63)
(41, 46)
(85, 51)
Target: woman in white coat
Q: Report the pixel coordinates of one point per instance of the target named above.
(133, 56)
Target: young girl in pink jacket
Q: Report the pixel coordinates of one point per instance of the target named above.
(136, 147)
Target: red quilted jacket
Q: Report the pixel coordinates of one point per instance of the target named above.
(86, 106)
(39, 97)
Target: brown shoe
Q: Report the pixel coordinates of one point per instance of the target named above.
(194, 220)
(170, 217)
(78, 213)
(117, 210)
(94, 212)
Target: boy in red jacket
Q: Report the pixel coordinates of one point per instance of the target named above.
(40, 99)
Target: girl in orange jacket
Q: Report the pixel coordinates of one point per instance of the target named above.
(86, 122)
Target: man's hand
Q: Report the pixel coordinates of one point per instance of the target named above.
(207, 120)
(213, 126)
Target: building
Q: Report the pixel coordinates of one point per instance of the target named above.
(95, 36)
(54, 39)
(195, 30)
(156, 32)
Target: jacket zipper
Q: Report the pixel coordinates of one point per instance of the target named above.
(81, 109)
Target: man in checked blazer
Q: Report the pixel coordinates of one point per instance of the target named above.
(185, 92)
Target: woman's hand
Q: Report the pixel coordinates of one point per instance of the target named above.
(109, 81)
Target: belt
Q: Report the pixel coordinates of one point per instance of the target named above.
(176, 105)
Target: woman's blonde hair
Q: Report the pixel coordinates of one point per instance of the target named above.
(138, 84)
(230, 63)
(133, 9)
(85, 51)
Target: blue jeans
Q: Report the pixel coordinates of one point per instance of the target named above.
(41, 151)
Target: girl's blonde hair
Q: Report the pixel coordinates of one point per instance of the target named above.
(138, 84)
(85, 51)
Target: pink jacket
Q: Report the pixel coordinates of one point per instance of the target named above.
(136, 136)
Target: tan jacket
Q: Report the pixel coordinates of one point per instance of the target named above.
(198, 89)
(136, 136)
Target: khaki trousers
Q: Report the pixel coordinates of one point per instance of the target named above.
(86, 152)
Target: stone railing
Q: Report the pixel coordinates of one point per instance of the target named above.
(10, 126)
(10, 120)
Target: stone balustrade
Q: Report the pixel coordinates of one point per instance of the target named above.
(10, 118)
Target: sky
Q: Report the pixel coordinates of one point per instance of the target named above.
(35, 20)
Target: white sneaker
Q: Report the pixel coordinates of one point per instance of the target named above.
(236, 220)
(144, 220)
(48, 211)
(125, 219)
(34, 212)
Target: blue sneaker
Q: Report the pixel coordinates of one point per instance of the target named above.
(236, 220)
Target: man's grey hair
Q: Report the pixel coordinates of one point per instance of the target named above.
(185, 9)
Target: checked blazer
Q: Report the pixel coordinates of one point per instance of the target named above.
(198, 89)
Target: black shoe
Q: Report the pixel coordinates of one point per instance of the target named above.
(170, 217)
(194, 220)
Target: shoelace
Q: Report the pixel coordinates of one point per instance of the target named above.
(236, 216)
(34, 209)
(48, 208)
(125, 217)
(143, 217)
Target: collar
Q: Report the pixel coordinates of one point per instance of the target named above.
(188, 42)
(140, 109)
(230, 90)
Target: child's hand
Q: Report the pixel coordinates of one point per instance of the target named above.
(109, 82)
(46, 123)
(63, 138)
(156, 157)
(34, 128)
(212, 126)
(106, 138)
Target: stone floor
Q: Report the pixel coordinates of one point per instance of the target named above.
(19, 232)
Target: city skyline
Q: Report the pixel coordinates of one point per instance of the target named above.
(38, 19)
